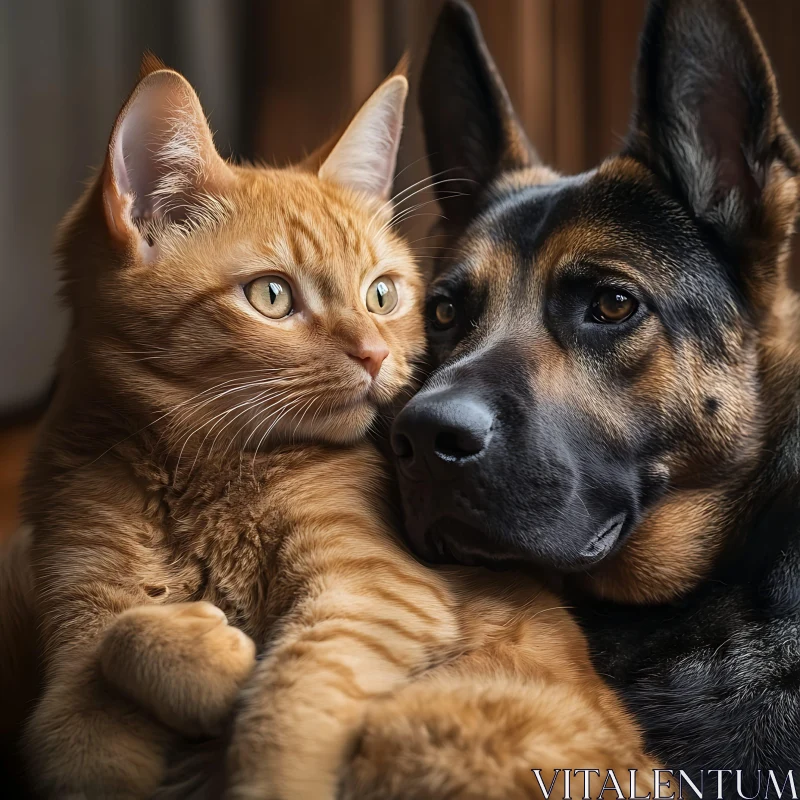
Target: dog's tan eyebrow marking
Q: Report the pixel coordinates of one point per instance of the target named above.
(624, 168)
(593, 264)
(525, 178)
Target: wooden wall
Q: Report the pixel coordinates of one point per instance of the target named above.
(567, 64)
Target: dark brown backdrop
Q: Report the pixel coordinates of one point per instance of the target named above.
(567, 65)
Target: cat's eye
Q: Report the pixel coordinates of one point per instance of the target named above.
(271, 296)
(612, 306)
(382, 296)
(444, 313)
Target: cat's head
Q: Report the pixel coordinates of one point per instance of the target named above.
(243, 303)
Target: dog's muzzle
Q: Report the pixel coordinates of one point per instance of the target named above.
(487, 479)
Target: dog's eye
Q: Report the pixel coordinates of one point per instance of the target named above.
(611, 306)
(444, 313)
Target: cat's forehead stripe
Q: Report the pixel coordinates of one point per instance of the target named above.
(301, 233)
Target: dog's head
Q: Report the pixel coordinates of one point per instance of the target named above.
(596, 389)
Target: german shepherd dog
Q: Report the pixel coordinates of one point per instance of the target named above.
(616, 392)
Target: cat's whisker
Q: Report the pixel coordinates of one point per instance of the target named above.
(408, 213)
(216, 420)
(426, 214)
(193, 411)
(237, 379)
(456, 250)
(292, 406)
(247, 404)
(187, 413)
(397, 203)
(302, 413)
(259, 414)
(432, 183)
(316, 414)
(150, 424)
(430, 186)
(411, 164)
(181, 418)
(395, 218)
(404, 211)
(256, 402)
(433, 258)
(280, 397)
(423, 239)
(280, 416)
(396, 198)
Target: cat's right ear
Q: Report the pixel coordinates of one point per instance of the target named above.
(471, 130)
(365, 156)
(161, 164)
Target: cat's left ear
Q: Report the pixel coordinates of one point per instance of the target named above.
(365, 156)
(162, 166)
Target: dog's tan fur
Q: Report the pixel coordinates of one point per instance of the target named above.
(172, 538)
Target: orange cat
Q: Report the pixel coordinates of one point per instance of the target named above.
(203, 488)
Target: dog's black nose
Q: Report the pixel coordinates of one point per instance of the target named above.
(437, 431)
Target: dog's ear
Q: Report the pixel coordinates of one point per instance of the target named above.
(471, 130)
(707, 116)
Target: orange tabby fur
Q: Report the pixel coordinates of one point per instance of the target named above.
(203, 488)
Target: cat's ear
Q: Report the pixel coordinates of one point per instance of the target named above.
(162, 165)
(707, 114)
(365, 156)
(471, 130)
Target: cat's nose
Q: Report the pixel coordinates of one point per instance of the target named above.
(370, 354)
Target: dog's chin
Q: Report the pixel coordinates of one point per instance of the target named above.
(451, 540)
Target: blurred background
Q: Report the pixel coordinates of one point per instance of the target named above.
(276, 78)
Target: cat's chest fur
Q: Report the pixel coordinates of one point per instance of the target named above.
(229, 523)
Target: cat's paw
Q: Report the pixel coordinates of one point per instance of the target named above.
(183, 662)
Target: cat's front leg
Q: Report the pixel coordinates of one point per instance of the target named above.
(85, 741)
(338, 652)
(182, 662)
(302, 711)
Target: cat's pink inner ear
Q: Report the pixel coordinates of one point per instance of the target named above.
(161, 161)
(365, 156)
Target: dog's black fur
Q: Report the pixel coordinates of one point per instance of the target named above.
(655, 458)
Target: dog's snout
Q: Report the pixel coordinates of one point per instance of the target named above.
(441, 430)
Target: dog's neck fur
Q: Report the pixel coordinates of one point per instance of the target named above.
(770, 504)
